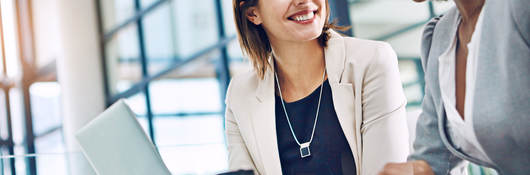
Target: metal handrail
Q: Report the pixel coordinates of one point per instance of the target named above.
(138, 86)
(405, 29)
(401, 30)
(137, 16)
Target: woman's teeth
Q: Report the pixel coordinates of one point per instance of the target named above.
(304, 17)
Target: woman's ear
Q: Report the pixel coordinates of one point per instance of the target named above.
(253, 15)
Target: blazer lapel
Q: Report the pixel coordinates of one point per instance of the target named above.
(442, 40)
(264, 121)
(447, 140)
(441, 37)
(342, 93)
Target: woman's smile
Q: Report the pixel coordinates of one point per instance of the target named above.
(303, 17)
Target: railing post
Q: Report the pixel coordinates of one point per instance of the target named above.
(6, 85)
(143, 60)
(27, 59)
(223, 65)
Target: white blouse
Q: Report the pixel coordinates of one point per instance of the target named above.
(460, 130)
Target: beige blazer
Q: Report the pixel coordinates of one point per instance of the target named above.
(368, 100)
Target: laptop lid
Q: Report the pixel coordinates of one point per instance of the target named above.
(115, 144)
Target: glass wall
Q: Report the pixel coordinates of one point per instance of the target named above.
(30, 119)
(164, 57)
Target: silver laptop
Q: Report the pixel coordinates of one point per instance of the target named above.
(114, 143)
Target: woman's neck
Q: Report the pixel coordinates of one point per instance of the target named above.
(299, 65)
(469, 9)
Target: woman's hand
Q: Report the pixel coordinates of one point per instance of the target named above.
(417, 167)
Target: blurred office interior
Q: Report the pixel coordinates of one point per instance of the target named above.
(64, 61)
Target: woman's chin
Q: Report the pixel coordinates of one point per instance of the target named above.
(307, 35)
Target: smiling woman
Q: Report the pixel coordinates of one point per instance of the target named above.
(254, 40)
(316, 102)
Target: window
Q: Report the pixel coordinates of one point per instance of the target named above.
(165, 58)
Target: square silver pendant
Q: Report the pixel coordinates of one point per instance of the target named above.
(304, 150)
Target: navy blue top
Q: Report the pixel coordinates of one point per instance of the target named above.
(330, 151)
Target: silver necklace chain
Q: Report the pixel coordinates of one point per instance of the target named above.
(287, 116)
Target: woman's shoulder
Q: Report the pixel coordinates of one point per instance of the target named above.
(364, 43)
(368, 51)
(358, 44)
(242, 84)
(244, 79)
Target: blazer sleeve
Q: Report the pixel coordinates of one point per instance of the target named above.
(520, 14)
(428, 145)
(384, 128)
(238, 155)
